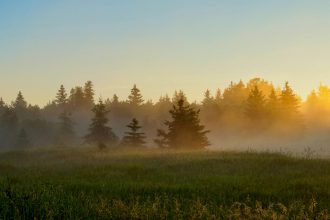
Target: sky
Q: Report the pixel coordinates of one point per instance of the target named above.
(161, 46)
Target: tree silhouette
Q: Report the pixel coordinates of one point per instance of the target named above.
(89, 94)
(8, 127)
(61, 97)
(99, 132)
(135, 98)
(20, 102)
(184, 131)
(134, 138)
(255, 106)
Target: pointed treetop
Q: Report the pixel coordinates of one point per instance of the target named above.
(135, 97)
(20, 101)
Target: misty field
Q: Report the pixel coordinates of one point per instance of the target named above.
(158, 184)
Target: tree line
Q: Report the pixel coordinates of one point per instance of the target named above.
(242, 110)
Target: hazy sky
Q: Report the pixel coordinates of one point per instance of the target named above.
(161, 45)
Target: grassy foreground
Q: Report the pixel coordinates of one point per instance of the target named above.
(154, 184)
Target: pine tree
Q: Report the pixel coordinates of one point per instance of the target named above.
(273, 106)
(20, 102)
(22, 139)
(61, 97)
(66, 134)
(115, 100)
(99, 132)
(77, 98)
(178, 95)
(218, 97)
(208, 99)
(135, 98)
(184, 131)
(255, 107)
(134, 138)
(89, 94)
(289, 102)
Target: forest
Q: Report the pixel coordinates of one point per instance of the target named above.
(245, 114)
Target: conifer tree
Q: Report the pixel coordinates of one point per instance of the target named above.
(20, 102)
(2, 103)
(208, 99)
(273, 106)
(89, 94)
(255, 107)
(135, 98)
(77, 98)
(289, 102)
(134, 138)
(184, 131)
(22, 139)
(61, 97)
(99, 132)
(218, 97)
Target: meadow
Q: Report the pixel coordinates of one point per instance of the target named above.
(159, 184)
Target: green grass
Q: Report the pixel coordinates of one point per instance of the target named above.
(155, 184)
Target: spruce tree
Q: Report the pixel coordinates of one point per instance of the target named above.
(273, 106)
(8, 127)
(289, 102)
(135, 98)
(61, 97)
(20, 102)
(99, 132)
(134, 138)
(255, 106)
(184, 131)
(89, 94)
(208, 99)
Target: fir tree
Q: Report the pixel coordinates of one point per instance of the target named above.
(20, 102)
(89, 94)
(99, 132)
(255, 106)
(273, 106)
(289, 102)
(134, 138)
(8, 127)
(184, 131)
(77, 98)
(135, 98)
(61, 97)
(208, 99)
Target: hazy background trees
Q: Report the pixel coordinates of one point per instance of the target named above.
(255, 113)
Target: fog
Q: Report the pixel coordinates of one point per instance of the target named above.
(245, 116)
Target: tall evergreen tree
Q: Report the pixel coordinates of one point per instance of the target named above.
(289, 102)
(99, 132)
(134, 138)
(20, 102)
(208, 99)
(77, 98)
(135, 98)
(184, 131)
(61, 97)
(89, 94)
(255, 106)
(273, 106)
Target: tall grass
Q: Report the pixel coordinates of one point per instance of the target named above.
(154, 184)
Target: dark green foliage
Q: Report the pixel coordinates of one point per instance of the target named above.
(184, 131)
(61, 97)
(22, 139)
(89, 94)
(99, 132)
(134, 138)
(135, 98)
(20, 102)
